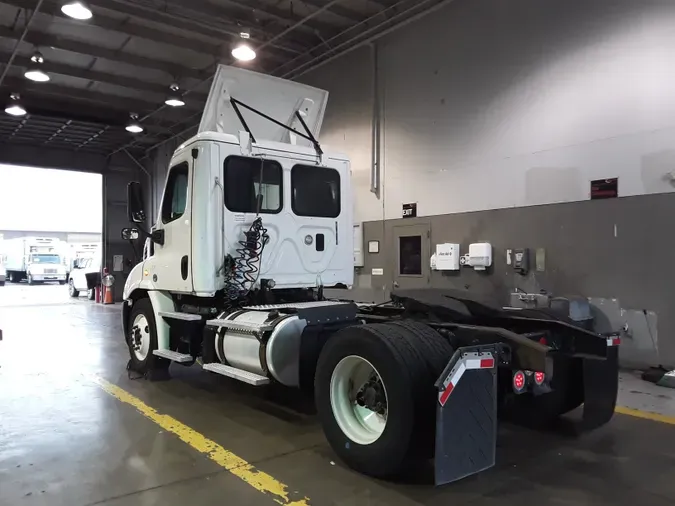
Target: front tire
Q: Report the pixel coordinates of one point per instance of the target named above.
(142, 339)
(398, 356)
(30, 279)
(72, 291)
(91, 294)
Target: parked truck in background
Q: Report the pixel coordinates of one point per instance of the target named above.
(36, 259)
(74, 253)
(85, 272)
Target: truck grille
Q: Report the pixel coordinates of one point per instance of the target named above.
(50, 271)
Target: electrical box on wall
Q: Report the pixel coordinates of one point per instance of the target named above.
(447, 257)
(479, 257)
(521, 261)
(359, 260)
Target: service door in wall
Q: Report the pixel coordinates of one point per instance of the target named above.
(411, 254)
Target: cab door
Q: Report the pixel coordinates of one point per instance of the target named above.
(170, 266)
(325, 232)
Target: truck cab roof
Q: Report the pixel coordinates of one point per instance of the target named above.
(282, 147)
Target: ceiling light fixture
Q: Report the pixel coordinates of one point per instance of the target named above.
(14, 108)
(34, 73)
(175, 99)
(77, 10)
(244, 52)
(134, 126)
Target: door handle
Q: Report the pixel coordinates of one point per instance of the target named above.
(395, 284)
(184, 267)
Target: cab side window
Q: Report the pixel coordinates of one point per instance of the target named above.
(175, 195)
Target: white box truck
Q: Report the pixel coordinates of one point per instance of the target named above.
(255, 221)
(36, 259)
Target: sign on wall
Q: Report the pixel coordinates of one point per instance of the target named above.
(605, 188)
(410, 210)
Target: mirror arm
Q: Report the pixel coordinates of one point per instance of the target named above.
(156, 236)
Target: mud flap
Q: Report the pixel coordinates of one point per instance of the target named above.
(466, 414)
(601, 386)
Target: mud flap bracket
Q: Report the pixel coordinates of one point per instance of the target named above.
(466, 413)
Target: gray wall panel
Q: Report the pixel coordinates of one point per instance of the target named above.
(602, 249)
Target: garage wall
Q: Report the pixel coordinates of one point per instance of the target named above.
(494, 118)
(117, 172)
(489, 104)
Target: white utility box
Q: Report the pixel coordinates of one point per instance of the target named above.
(480, 255)
(359, 260)
(447, 257)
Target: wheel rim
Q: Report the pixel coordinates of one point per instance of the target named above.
(140, 337)
(358, 399)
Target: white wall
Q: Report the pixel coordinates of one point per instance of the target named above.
(492, 104)
(347, 126)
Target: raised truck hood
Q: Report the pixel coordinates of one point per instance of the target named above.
(277, 98)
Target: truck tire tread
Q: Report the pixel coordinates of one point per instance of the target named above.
(409, 381)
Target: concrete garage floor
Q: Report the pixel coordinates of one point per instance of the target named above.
(71, 434)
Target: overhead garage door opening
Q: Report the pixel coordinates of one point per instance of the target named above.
(50, 234)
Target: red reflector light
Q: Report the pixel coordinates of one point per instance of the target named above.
(539, 378)
(543, 341)
(487, 363)
(519, 381)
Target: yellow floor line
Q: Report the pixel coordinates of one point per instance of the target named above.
(259, 480)
(647, 415)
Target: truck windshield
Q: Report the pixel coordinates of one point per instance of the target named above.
(45, 259)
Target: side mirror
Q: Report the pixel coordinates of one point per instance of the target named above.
(130, 234)
(135, 211)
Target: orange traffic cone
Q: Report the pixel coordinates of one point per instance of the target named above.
(108, 295)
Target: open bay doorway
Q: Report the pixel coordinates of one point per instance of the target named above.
(50, 235)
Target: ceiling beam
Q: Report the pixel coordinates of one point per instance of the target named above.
(107, 22)
(26, 88)
(338, 10)
(104, 77)
(249, 12)
(215, 31)
(20, 39)
(59, 42)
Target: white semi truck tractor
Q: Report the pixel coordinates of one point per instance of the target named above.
(255, 223)
(36, 259)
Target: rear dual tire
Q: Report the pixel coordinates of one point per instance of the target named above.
(408, 357)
